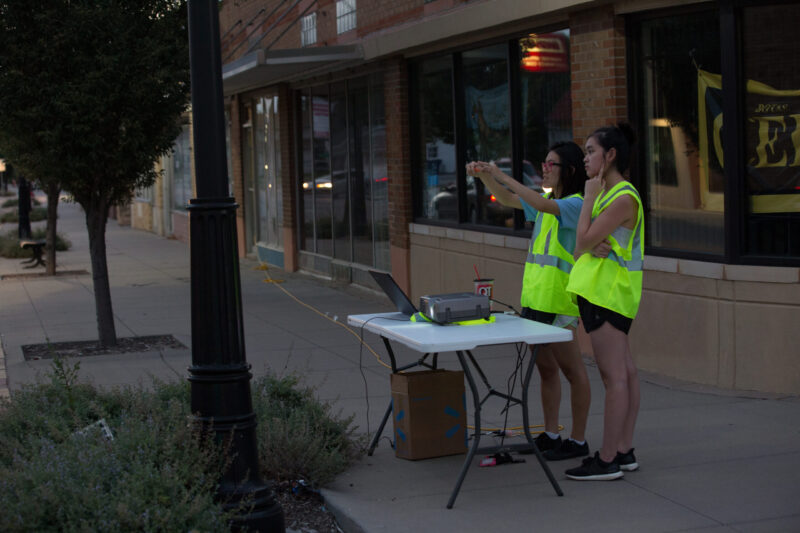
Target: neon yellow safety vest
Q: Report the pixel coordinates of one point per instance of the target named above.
(547, 269)
(614, 282)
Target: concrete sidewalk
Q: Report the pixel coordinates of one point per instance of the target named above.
(710, 460)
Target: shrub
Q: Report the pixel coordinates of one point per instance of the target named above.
(12, 202)
(9, 243)
(157, 474)
(298, 436)
(37, 214)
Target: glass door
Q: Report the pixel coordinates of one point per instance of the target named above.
(250, 200)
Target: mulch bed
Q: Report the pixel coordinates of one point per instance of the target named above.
(304, 510)
(124, 345)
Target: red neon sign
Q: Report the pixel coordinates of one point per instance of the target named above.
(546, 52)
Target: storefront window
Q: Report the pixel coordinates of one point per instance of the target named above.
(771, 67)
(323, 214)
(380, 176)
(437, 140)
(339, 174)
(546, 100)
(182, 169)
(306, 195)
(538, 86)
(681, 108)
(347, 159)
(488, 126)
(360, 170)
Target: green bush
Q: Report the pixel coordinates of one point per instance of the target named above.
(298, 436)
(157, 474)
(37, 214)
(9, 243)
(12, 202)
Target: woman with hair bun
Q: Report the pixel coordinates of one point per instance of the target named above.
(544, 297)
(608, 291)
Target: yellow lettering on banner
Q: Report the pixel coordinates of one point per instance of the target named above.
(772, 130)
(718, 139)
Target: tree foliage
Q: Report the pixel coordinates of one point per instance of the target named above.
(90, 96)
(90, 90)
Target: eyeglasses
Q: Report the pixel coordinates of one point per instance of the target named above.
(548, 165)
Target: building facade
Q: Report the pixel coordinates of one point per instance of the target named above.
(351, 121)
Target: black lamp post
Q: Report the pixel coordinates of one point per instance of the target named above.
(220, 375)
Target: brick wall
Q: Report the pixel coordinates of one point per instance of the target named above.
(371, 16)
(599, 82)
(397, 151)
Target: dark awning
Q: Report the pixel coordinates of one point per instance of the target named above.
(260, 68)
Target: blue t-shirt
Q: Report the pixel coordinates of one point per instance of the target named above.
(567, 221)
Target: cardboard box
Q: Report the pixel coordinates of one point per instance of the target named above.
(429, 414)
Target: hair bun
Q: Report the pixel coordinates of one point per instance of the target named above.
(627, 131)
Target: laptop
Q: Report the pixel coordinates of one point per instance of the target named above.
(394, 292)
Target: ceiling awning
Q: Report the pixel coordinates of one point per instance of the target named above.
(260, 68)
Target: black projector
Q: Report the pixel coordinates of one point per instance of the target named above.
(455, 307)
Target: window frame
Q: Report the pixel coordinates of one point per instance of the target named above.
(733, 93)
(308, 29)
(521, 228)
(345, 17)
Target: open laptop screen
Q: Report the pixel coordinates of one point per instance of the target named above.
(394, 292)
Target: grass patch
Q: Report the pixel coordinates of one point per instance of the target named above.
(9, 243)
(157, 473)
(13, 202)
(37, 214)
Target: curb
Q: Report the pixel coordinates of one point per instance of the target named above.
(346, 522)
(4, 392)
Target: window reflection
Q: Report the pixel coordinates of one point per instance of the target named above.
(772, 129)
(683, 169)
(437, 142)
(488, 128)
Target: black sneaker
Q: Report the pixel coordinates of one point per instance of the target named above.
(627, 461)
(595, 469)
(544, 443)
(568, 449)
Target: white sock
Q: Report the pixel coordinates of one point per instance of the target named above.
(578, 442)
(553, 436)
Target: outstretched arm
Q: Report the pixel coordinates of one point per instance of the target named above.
(531, 197)
(503, 195)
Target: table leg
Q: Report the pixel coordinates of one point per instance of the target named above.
(378, 433)
(477, 423)
(526, 424)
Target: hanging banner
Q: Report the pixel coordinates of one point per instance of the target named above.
(772, 145)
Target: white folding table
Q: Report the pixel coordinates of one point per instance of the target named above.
(429, 338)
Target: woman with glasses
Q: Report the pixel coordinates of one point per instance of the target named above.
(544, 297)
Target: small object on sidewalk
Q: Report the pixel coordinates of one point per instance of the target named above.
(36, 246)
(499, 458)
(101, 426)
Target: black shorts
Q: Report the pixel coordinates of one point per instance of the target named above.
(593, 316)
(538, 316)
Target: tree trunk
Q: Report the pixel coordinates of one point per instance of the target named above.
(53, 191)
(24, 208)
(96, 218)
